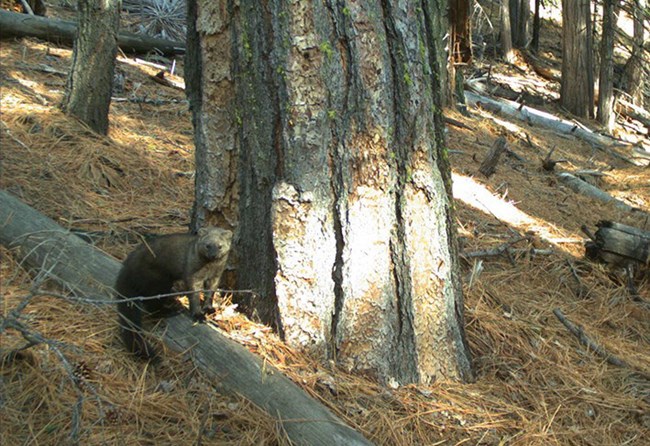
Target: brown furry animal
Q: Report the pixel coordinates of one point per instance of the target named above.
(152, 268)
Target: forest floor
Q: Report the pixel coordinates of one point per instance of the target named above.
(536, 384)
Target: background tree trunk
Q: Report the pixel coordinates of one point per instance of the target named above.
(633, 74)
(534, 43)
(577, 87)
(606, 115)
(344, 223)
(438, 15)
(90, 82)
(506, 32)
(460, 49)
(461, 31)
(519, 15)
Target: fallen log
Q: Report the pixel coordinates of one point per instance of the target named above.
(44, 245)
(580, 186)
(13, 24)
(547, 120)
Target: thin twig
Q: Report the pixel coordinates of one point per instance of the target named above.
(579, 333)
(88, 300)
(499, 250)
(16, 140)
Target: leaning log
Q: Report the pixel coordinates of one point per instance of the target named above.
(489, 164)
(14, 24)
(45, 246)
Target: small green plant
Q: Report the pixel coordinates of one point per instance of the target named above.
(326, 49)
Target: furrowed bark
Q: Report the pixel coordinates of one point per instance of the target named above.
(343, 207)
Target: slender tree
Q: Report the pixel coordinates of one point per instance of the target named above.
(606, 114)
(506, 32)
(537, 22)
(633, 73)
(577, 87)
(90, 82)
(319, 135)
(519, 16)
(461, 48)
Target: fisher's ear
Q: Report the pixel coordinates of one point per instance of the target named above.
(203, 231)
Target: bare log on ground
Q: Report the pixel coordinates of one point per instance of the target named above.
(577, 185)
(618, 244)
(547, 120)
(78, 266)
(633, 111)
(13, 24)
(489, 164)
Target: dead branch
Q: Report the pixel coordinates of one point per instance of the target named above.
(499, 250)
(549, 164)
(156, 102)
(162, 80)
(579, 333)
(457, 123)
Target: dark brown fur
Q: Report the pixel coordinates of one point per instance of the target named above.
(197, 261)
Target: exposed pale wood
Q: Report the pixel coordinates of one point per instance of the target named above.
(42, 244)
(61, 31)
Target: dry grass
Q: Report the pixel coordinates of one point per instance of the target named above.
(536, 384)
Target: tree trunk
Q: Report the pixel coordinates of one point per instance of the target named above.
(534, 43)
(437, 14)
(606, 115)
(461, 31)
(90, 82)
(506, 32)
(577, 87)
(633, 75)
(460, 54)
(519, 15)
(44, 246)
(333, 131)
